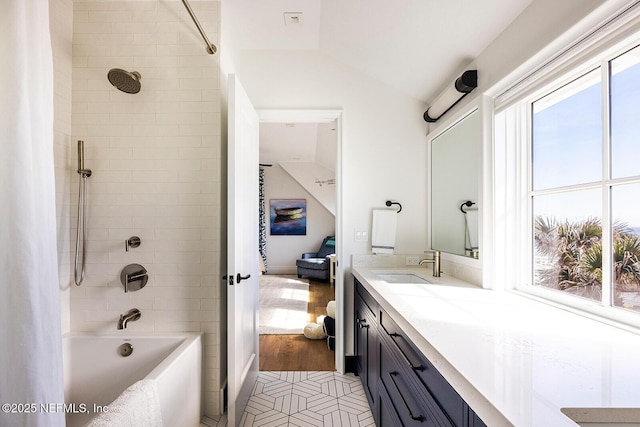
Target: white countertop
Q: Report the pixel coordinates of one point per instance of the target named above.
(514, 360)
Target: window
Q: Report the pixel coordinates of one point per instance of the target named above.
(584, 185)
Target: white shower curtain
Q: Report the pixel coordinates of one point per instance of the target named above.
(30, 346)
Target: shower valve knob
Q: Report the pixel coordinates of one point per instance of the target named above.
(132, 242)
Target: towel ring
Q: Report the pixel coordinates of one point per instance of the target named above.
(389, 203)
(468, 204)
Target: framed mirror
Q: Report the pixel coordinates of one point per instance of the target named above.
(455, 157)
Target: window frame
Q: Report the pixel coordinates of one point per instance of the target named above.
(520, 247)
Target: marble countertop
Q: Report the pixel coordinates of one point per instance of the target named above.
(514, 360)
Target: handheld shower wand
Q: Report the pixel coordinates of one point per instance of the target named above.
(82, 216)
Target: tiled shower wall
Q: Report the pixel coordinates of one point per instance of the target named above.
(61, 29)
(156, 164)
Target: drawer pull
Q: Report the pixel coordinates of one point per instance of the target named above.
(393, 380)
(393, 336)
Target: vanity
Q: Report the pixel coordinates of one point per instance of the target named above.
(401, 384)
(448, 353)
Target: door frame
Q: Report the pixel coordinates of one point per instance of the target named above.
(324, 116)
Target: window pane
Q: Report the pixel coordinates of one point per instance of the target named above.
(626, 246)
(567, 134)
(625, 104)
(568, 242)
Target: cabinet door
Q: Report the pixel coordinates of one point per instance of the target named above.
(474, 420)
(366, 348)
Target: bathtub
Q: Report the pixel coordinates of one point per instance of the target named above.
(96, 374)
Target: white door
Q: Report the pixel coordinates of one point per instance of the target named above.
(242, 250)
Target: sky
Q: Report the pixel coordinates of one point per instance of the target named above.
(567, 144)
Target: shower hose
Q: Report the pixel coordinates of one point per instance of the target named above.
(81, 233)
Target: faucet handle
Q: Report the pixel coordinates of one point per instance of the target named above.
(131, 242)
(134, 277)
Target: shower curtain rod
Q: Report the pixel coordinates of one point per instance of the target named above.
(211, 48)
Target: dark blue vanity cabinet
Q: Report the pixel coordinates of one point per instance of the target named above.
(366, 345)
(403, 388)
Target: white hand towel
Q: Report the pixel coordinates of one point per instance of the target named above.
(137, 406)
(383, 231)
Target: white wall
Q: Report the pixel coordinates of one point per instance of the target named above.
(282, 251)
(383, 152)
(327, 148)
(157, 171)
(383, 147)
(61, 28)
(306, 174)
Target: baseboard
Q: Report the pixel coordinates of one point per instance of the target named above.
(281, 270)
(350, 365)
(223, 398)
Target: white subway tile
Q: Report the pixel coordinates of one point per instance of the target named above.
(119, 256)
(153, 176)
(109, 16)
(179, 118)
(165, 326)
(176, 304)
(156, 130)
(134, 27)
(178, 95)
(87, 50)
(156, 200)
(90, 118)
(108, 62)
(91, 28)
(100, 39)
(156, 158)
(90, 96)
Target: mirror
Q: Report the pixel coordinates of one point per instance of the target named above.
(455, 180)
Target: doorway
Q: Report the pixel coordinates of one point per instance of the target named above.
(307, 172)
(295, 352)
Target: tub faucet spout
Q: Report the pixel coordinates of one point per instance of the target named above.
(131, 315)
(435, 261)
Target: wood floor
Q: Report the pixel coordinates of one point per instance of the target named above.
(296, 352)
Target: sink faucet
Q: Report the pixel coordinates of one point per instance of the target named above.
(131, 315)
(435, 261)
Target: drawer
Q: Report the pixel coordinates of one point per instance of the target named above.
(412, 404)
(387, 415)
(437, 386)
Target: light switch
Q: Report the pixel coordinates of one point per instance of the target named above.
(361, 236)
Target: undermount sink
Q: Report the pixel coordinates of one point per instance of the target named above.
(401, 278)
(604, 417)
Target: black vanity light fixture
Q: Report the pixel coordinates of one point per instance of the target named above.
(463, 85)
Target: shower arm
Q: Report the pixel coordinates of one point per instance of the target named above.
(211, 48)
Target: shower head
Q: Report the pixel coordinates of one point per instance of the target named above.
(128, 82)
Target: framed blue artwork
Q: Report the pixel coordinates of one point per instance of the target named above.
(288, 217)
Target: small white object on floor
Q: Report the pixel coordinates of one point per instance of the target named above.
(314, 331)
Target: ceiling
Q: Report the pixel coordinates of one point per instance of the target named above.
(288, 142)
(298, 142)
(414, 46)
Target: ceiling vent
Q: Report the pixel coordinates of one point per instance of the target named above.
(292, 18)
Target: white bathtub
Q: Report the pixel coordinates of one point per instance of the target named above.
(96, 374)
